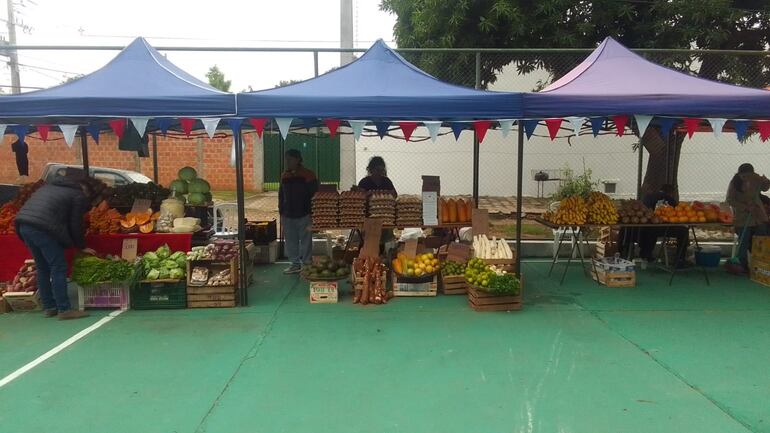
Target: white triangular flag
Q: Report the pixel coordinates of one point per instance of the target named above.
(2, 130)
(358, 127)
(284, 124)
(140, 123)
(642, 122)
(68, 131)
(717, 125)
(577, 124)
(433, 127)
(505, 126)
(210, 125)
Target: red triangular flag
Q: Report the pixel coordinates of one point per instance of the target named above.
(43, 131)
(620, 124)
(481, 127)
(333, 125)
(407, 128)
(553, 127)
(118, 126)
(187, 125)
(764, 129)
(691, 125)
(259, 125)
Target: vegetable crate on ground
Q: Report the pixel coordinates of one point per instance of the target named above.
(213, 294)
(159, 295)
(23, 301)
(614, 272)
(481, 300)
(407, 287)
(104, 295)
(453, 284)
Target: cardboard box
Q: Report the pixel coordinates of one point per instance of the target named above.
(760, 248)
(759, 270)
(324, 292)
(23, 301)
(267, 253)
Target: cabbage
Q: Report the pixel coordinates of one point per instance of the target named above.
(163, 252)
(163, 273)
(169, 264)
(154, 274)
(150, 257)
(177, 255)
(176, 274)
(182, 262)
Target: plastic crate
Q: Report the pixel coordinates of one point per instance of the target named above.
(708, 256)
(159, 295)
(104, 295)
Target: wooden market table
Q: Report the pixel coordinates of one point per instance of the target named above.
(581, 243)
(15, 252)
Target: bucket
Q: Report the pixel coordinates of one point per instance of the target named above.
(708, 256)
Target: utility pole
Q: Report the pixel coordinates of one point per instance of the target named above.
(13, 56)
(346, 31)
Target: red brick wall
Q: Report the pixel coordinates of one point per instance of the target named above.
(173, 153)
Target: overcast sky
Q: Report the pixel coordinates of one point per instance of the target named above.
(252, 23)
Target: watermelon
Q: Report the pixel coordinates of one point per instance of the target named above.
(199, 185)
(180, 186)
(187, 173)
(196, 198)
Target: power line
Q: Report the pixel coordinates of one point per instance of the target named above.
(23, 87)
(49, 69)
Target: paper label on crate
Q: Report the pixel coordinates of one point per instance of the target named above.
(430, 208)
(129, 249)
(323, 292)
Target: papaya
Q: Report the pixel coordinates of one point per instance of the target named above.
(397, 266)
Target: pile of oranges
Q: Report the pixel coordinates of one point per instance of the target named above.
(686, 213)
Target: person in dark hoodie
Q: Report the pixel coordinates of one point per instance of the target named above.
(298, 185)
(50, 222)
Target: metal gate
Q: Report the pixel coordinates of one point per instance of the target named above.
(320, 153)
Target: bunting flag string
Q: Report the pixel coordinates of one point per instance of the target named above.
(481, 127)
(140, 124)
(597, 123)
(382, 128)
(259, 125)
(187, 125)
(506, 125)
(94, 130)
(764, 129)
(642, 122)
(68, 131)
(235, 126)
(3, 127)
(20, 131)
(666, 125)
(210, 125)
(358, 127)
(308, 122)
(691, 124)
(332, 125)
(717, 125)
(457, 129)
(163, 124)
(577, 124)
(741, 128)
(620, 124)
(407, 128)
(433, 128)
(284, 125)
(43, 131)
(529, 127)
(553, 127)
(118, 126)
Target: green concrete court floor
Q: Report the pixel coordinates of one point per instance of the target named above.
(579, 358)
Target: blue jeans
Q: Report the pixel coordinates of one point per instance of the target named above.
(51, 267)
(298, 239)
(744, 245)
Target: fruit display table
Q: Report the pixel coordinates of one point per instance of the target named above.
(15, 252)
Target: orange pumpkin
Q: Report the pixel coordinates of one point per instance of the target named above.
(142, 218)
(128, 222)
(147, 227)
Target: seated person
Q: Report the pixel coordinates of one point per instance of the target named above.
(648, 236)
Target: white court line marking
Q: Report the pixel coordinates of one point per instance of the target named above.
(67, 343)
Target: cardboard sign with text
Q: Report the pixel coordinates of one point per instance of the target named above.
(129, 249)
(324, 292)
(480, 221)
(458, 253)
(372, 235)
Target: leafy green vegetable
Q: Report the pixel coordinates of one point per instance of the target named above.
(163, 252)
(88, 269)
(177, 255)
(154, 274)
(506, 283)
(176, 274)
(150, 257)
(163, 273)
(170, 264)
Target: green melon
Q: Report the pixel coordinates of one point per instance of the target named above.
(187, 173)
(199, 185)
(180, 186)
(196, 198)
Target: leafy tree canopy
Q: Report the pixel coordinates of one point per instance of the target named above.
(217, 79)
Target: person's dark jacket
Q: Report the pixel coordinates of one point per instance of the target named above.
(296, 191)
(368, 184)
(57, 209)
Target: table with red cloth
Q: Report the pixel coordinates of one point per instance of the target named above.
(13, 252)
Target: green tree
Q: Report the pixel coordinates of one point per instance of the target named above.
(681, 24)
(217, 79)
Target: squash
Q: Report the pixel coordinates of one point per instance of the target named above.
(147, 227)
(142, 218)
(452, 211)
(155, 216)
(397, 266)
(128, 222)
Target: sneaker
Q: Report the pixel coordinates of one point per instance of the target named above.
(72, 314)
(293, 269)
(51, 312)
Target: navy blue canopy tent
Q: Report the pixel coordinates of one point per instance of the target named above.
(613, 80)
(138, 82)
(379, 86)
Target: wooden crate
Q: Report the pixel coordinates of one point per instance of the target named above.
(614, 279)
(23, 301)
(480, 300)
(508, 265)
(414, 289)
(605, 249)
(453, 284)
(213, 296)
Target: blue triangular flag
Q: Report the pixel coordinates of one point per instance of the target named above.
(94, 130)
(458, 128)
(529, 127)
(20, 131)
(597, 123)
(309, 122)
(741, 128)
(382, 128)
(163, 124)
(666, 124)
(235, 125)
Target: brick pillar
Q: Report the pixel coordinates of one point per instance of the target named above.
(258, 159)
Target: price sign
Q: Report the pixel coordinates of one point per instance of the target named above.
(129, 249)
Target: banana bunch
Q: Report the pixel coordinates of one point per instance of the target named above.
(601, 210)
(572, 211)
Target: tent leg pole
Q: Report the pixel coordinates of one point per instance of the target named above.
(476, 151)
(240, 200)
(519, 180)
(639, 171)
(668, 156)
(155, 158)
(84, 151)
